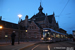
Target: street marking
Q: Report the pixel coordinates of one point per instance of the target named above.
(48, 47)
(35, 47)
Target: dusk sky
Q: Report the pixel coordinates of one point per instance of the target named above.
(64, 11)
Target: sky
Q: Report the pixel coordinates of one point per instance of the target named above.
(64, 11)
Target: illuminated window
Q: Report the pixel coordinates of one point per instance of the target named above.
(26, 30)
(61, 36)
(45, 30)
(54, 35)
(58, 36)
(6, 35)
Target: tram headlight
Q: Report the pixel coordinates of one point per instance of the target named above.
(42, 38)
(49, 38)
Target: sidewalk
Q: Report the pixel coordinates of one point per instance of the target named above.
(16, 46)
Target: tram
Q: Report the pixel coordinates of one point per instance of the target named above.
(50, 35)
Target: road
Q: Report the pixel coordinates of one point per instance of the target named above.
(51, 46)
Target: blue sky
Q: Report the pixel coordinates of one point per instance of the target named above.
(9, 9)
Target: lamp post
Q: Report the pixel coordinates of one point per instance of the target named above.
(19, 27)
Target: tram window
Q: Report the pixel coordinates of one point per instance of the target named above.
(47, 35)
(54, 35)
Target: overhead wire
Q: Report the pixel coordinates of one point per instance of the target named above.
(62, 11)
(64, 7)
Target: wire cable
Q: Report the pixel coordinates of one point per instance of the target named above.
(64, 7)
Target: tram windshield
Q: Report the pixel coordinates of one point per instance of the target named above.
(46, 34)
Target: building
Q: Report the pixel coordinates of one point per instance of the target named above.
(8, 28)
(37, 22)
(30, 29)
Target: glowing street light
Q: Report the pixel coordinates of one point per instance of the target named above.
(19, 28)
(1, 27)
(19, 15)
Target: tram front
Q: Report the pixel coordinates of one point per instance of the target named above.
(46, 35)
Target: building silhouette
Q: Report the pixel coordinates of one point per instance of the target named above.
(30, 29)
(37, 22)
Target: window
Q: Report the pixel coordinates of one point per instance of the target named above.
(29, 35)
(35, 34)
(26, 30)
(6, 35)
(30, 27)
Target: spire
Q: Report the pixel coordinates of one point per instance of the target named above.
(53, 13)
(46, 14)
(40, 8)
(57, 24)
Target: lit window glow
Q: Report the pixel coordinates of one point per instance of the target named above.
(6, 35)
(46, 30)
(26, 30)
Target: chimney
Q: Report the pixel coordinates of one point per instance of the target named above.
(0, 17)
(26, 20)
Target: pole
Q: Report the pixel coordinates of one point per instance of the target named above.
(19, 31)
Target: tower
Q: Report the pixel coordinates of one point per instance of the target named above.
(26, 21)
(40, 8)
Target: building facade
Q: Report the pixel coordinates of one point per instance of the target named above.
(8, 28)
(37, 22)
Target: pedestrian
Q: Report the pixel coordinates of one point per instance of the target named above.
(13, 37)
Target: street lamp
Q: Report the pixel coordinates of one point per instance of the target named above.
(19, 27)
(1, 27)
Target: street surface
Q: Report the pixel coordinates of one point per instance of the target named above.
(51, 46)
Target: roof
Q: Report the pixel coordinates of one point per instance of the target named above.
(54, 31)
(38, 25)
(50, 18)
(40, 19)
(38, 15)
(62, 29)
(10, 25)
